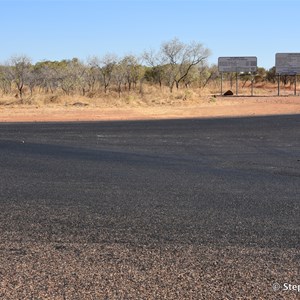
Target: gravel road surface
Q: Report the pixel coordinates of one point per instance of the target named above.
(177, 209)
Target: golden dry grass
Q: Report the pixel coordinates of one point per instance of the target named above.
(152, 103)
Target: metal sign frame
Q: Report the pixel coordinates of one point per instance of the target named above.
(287, 64)
(237, 64)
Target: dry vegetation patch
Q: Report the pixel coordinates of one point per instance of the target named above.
(153, 103)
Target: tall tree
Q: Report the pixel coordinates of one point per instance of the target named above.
(119, 75)
(20, 68)
(133, 70)
(6, 79)
(105, 68)
(156, 61)
(108, 63)
(181, 58)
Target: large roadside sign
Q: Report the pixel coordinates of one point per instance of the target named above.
(287, 63)
(237, 64)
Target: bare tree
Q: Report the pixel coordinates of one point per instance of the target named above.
(156, 61)
(119, 75)
(6, 79)
(180, 58)
(51, 77)
(32, 79)
(208, 74)
(80, 75)
(69, 72)
(21, 67)
(105, 67)
(133, 70)
(108, 63)
(93, 73)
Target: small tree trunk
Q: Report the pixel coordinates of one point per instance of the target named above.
(119, 90)
(21, 93)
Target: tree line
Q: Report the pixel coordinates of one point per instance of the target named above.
(174, 65)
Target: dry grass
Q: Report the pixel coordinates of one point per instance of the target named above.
(152, 103)
(150, 96)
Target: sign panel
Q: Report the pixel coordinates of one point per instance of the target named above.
(237, 64)
(287, 63)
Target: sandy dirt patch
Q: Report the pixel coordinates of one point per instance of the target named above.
(210, 107)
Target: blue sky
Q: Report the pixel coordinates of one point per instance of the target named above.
(57, 29)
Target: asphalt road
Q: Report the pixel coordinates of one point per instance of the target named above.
(178, 209)
(214, 182)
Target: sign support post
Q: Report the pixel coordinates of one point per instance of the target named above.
(237, 83)
(221, 83)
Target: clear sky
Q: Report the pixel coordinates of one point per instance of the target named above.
(57, 29)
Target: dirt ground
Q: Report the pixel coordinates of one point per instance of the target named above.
(204, 108)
